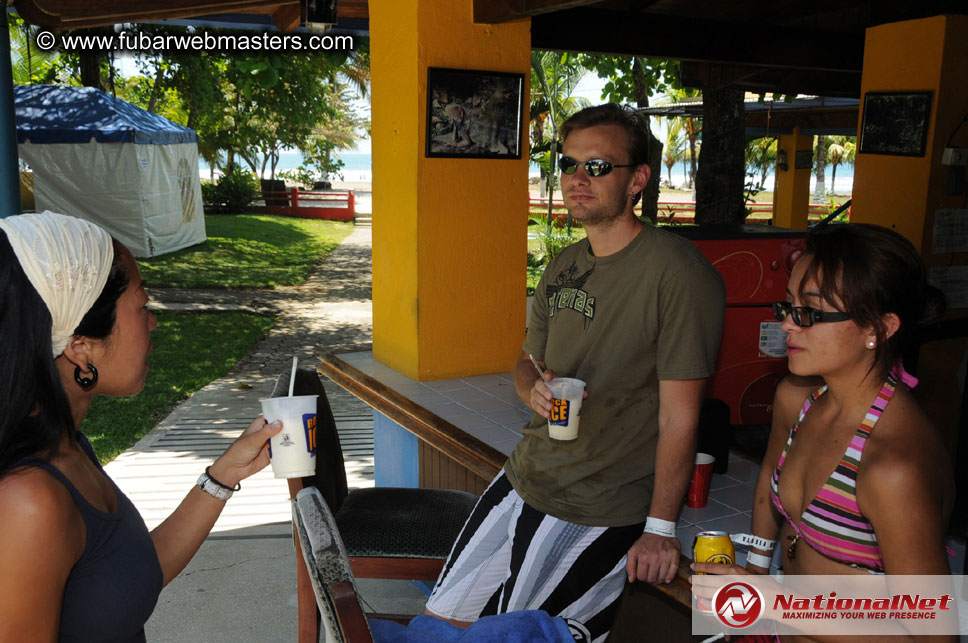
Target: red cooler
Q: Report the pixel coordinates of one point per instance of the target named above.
(755, 261)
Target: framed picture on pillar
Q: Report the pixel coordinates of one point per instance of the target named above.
(895, 123)
(474, 114)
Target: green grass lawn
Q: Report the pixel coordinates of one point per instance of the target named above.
(248, 251)
(190, 350)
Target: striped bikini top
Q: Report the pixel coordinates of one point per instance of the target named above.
(832, 523)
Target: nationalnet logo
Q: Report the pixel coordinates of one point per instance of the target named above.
(898, 606)
(861, 604)
(738, 605)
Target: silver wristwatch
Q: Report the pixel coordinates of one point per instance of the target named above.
(209, 486)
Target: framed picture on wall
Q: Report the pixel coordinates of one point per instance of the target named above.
(474, 114)
(895, 123)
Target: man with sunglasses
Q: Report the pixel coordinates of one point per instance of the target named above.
(636, 313)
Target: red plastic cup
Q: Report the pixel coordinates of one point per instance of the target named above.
(702, 475)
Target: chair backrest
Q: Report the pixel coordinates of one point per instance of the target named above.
(341, 613)
(330, 476)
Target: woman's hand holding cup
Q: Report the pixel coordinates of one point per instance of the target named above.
(247, 455)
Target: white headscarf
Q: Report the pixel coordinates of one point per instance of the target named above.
(67, 260)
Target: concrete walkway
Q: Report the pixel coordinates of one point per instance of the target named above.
(241, 584)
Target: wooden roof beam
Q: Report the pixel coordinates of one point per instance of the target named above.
(78, 14)
(74, 14)
(496, 11)
(660, 36)
(771, 79)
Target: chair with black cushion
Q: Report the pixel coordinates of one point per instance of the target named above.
(389, 532)
(325, 561)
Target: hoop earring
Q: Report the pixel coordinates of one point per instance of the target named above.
(85, 382)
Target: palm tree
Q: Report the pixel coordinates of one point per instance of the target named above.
(761, 156)
(30, 64)
(842, 149)
(356, 69)
(691, 126)
(675, 145)
(554, 76)
(820, 162)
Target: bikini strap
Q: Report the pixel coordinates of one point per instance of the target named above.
(813, 397)
(877, 408)
(796, 425)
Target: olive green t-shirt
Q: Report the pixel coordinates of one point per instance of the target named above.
(652, 311)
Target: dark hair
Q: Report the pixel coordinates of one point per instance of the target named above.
(636, 129)
(98, 322)
(34, 409)
(874, 271)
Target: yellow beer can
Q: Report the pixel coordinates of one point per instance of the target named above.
(713, 547)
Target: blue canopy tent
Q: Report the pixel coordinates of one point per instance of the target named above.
(103, 159)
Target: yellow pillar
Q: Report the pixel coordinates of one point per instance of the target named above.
(791, 195)
(904, 192)
(449, 235)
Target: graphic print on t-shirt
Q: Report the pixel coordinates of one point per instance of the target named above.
(566, 291)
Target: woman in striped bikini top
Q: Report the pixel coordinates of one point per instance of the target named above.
(832, 522)
(855, 478)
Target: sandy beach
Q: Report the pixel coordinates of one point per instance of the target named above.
(360, 186)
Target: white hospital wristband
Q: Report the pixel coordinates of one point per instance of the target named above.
(659, 526)
(759, 560)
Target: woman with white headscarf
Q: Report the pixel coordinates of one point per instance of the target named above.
(77, 562)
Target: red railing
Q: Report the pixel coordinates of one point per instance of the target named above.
(335, 205)
(682, 212)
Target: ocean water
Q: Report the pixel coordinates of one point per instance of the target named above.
(357, 166)
(845, 178)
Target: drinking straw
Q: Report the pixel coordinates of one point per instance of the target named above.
(292, 378)
(535, 362)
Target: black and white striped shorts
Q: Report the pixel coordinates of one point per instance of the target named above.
(511, 557)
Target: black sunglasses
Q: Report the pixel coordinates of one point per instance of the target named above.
(593, 167)
(804, 316)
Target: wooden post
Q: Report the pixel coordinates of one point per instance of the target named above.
(294, 201)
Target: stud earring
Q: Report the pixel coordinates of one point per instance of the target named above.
(871, 343)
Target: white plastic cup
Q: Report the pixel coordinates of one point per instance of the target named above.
(292, 451)
(565, 408)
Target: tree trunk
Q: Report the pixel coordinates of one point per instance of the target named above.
(155, 89)
(721, 178)
(90, 68)
(692, 158)
(833, 179)
(820, 190)
(650, 194)
(551, 179)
